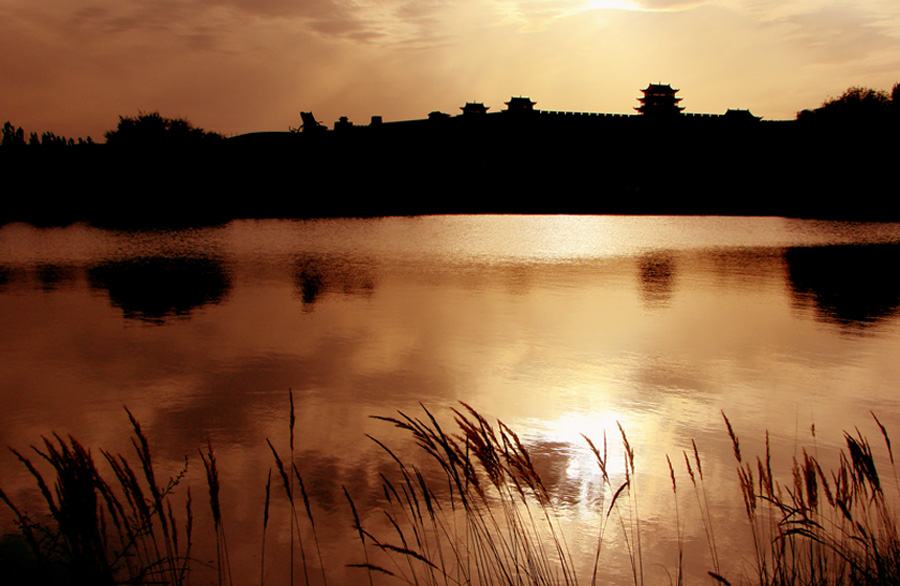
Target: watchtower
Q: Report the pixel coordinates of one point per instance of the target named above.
(659, 100)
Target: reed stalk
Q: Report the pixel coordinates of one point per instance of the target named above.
(262, 557)
(223, 565)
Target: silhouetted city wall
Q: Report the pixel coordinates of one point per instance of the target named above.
(498, 162)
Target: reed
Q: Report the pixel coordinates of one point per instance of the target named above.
(288, 474)
(822, 529)
(475, 511)
(262, 557)
(496, 522)
(107, 532)
(223, 566)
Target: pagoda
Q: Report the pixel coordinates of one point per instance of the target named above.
(520, 105)
(474, 109)
(659, 100)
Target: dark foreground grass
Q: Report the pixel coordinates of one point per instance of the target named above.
(490, 519)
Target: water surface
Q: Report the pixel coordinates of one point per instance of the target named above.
(559, 326)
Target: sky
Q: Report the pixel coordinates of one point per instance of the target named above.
(234, 66)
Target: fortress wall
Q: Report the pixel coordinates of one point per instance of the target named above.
(565, 114)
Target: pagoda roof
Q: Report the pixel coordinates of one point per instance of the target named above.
(669, 98)
(520, 100)
(520, 104)
(474, 108)
(738, 114)
(660, 88)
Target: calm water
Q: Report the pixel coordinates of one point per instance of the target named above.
(556, 325)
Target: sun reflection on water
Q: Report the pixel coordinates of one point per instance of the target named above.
(568, 437)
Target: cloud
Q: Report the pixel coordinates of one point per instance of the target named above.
(839, 35)
(186, 18)
(669, 5)
(244, 65)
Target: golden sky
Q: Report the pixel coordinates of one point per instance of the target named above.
(235, 66)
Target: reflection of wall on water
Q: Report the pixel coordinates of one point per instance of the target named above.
(316, 275)
(747, 268)
(657, 276)
(851, 285)
(45, 277)
(308, 282)
(153, 289)
(52, 277)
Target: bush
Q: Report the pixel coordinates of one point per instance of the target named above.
(154, 130)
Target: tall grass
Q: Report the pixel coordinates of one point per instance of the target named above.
(108, 532)
(288, 474)
(822, 528)
(495, 521)
(475, 511)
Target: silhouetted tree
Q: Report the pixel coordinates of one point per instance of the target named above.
(150, 129)
(856, 105)
(12, 137)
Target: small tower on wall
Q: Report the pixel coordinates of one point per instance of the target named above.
(474, 109)
(659, 100)
(520, 105)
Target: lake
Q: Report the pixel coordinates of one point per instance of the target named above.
(556, 325)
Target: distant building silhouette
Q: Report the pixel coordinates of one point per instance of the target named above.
(659, 100)
(740, 115)
(474, 109)
(310, 124)
(343, 123)
(519, 105)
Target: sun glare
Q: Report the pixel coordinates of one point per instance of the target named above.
(582, 467)
(610, 5)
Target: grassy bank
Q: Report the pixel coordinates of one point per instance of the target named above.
(487, 518)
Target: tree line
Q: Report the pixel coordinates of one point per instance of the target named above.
(146, 130)
(14, 138)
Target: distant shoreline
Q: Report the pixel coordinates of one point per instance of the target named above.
(496, 163)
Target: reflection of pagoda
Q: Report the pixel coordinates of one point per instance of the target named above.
(659, 100)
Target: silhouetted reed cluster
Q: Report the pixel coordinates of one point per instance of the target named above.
(494, 524)
(822, 528)
(122, 530)
(486, 518)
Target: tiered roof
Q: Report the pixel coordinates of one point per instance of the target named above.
(659, 99)
(519, 105)
(473, 108)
